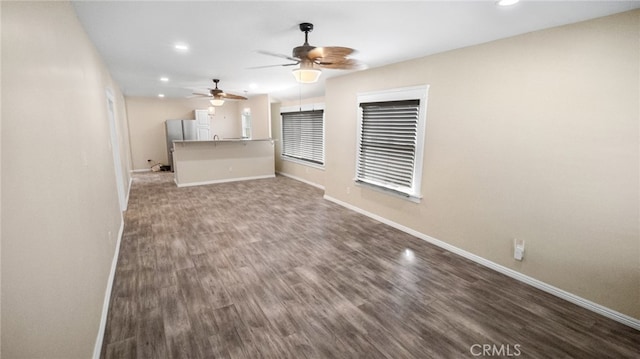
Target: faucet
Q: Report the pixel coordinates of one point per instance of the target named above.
(215, 137)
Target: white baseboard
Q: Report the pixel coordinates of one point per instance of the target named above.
(191, 184)
(107, 297)
(570, 297)
(142, 170)
(301, 180)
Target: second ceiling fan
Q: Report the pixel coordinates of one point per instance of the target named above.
(312, 59)
(218, 96)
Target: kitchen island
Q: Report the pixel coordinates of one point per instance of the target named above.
(216, 161)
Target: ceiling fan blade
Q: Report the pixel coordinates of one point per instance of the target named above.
(278, 55)
(267, 66)
(334, 57)
(330, 53)
(202, 94)
(341, 64)
(229, 96)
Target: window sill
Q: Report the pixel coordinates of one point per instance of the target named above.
(304, 163)
(398, 194)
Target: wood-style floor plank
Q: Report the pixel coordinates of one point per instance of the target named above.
(269, 269)
(124, 349)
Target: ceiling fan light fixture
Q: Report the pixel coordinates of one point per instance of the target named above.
(306, 75)
(217, 102)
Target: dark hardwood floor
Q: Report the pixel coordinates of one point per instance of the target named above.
(268, 269)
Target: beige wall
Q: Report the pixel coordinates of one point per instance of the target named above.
(226, 123)
(148, 114)
(309, 174)
(60, 215)
(532, 137)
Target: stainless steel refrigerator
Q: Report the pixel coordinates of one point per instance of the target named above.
(178, 130)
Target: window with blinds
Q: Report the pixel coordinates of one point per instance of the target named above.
(391, 134)
(303, 136)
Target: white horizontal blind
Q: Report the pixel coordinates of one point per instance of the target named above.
(303, 136)
(388, 141)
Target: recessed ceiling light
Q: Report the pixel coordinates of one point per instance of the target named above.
(253, 86)
(181, 47)
(507, 2)
(164, 79)
(160, 95)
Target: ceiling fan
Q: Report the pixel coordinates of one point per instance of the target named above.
(218, 96)
(312, 58)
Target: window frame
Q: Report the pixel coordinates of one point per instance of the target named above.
(306, 107)
(420, 93)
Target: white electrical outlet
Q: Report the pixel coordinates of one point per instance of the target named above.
(518, 249)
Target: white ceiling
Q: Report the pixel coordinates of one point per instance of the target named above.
(136, 39)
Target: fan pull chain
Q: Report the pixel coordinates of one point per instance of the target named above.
(300, 97)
